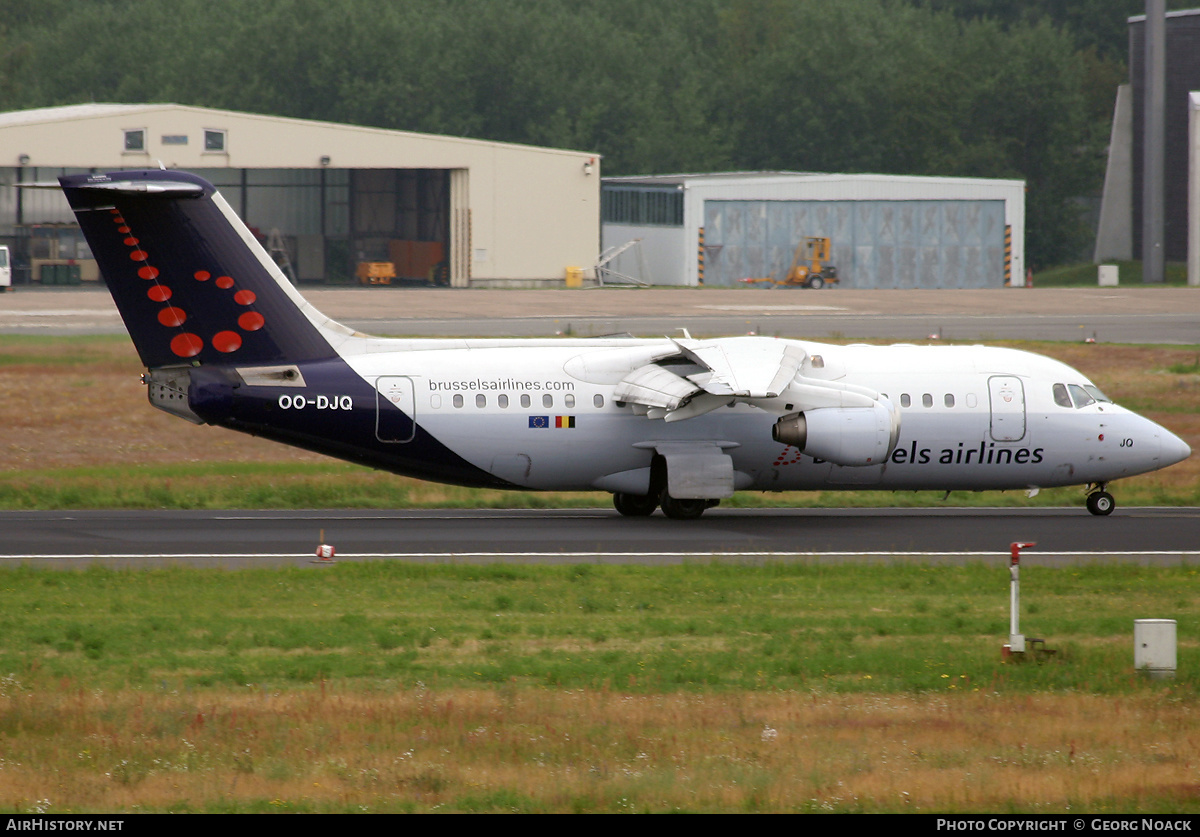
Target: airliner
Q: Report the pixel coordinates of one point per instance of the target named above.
(675, 423)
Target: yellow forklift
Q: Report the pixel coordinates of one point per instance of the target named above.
(810, 268)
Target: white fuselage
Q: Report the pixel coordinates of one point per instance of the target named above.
(971, 417)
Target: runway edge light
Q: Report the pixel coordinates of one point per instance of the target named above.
(325, 552)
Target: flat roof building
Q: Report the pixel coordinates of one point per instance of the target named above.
(886, 231)
(324, 197)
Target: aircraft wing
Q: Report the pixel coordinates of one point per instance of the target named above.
(745, 367)
(704, 375)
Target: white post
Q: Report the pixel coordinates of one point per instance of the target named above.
(1016, 640)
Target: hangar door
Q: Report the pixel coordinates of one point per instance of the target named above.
(875, 244)
(413, 218)
(320, 224)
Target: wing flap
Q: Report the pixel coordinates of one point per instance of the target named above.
(746, 367)
(653, 386)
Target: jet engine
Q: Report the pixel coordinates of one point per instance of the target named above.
(842, 435)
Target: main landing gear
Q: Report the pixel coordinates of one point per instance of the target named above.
(639, 505)
(1099, 501)
(635, 505)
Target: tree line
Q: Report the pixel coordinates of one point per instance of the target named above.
(975, 88)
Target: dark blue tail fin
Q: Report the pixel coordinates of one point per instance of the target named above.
(192, 284)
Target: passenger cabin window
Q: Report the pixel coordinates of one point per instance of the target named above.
(435, 401)
(502, 400)
(547, 401)
(598, 400)
(458, 401)
(948, 400)
(524, 400)
(927, 400)
(569, 400)
(481, 400)
(905, 400)
(1061, 397)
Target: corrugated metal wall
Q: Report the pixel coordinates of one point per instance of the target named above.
(876, 244)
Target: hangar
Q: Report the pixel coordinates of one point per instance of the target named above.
(886, 231)
(326, 199)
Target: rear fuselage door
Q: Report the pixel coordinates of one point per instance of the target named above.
(1008, 408)
(395, 409)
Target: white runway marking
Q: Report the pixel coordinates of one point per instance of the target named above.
(771, 308)
(1028, 557)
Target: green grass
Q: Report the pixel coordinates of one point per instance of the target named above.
(403, 687)
(1086, 275)
(904, 627)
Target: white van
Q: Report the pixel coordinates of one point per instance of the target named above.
(5, 269)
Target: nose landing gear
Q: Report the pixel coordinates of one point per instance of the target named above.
(1099, 501)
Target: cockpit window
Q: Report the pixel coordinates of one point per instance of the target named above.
(1082, 399)
(1061, 397)
(1097, 394)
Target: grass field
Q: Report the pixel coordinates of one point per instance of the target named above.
(394, 687)
(399, 687)
(1086, 276)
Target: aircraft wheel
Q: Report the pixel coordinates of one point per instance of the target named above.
(1100, 503)
(683, 509)
(816, 283)
(634, 505)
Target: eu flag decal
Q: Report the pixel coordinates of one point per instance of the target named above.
(564, 421)
(539, 422)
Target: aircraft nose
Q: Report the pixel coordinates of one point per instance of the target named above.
(1172, 449)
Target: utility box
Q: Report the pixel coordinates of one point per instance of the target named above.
(1154, 647)
(574, 277)
(1109, 275)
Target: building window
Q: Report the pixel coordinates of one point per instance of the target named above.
(135, 140)
(642, 205)
(214, 140)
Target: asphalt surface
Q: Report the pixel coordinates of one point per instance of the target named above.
(1117, 315)
(1159, 536)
